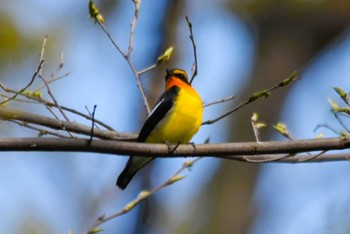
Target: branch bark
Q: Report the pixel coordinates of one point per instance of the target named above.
(244, 151)
(13, 114)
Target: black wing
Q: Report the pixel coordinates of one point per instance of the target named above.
(163, 105)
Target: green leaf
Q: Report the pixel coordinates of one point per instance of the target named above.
(263, 93)
(343, 95)
(282, 129)
(334, 105)
(95, 230)
(291, 78)
(176, 178)
(319, 136)
(94, 13)
(166, 55)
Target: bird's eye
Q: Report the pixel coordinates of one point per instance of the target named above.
(182, 77)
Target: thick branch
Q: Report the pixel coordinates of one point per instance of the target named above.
(239, 151)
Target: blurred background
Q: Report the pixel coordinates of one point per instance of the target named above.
(243, 46)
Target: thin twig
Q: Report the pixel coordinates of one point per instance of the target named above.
(43, 47)
(50, 104)
(143, 195)
(13, 114)
(255, 96)
(132, 27)
(41, 131)
(73, 111)
(111, 39)
(27, 86)
(53, 113)
(54, 80)
(56, 104)
(147, 69)
(219, 101)
(256, 132)
(42, 53)
(127, 56)
(139, 85)
(340, 122)
(312, 157)
(130, 49)
(92, 123)
(239, 106)
(296, 158)
(92, 116)
(265, 160)
(195, 64)
(327, 127)
(52, 77)
(254, 123)
(54, 99)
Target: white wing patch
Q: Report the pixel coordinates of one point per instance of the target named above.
(158, 104)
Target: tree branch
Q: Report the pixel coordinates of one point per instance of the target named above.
(238, 150)
(261, 94)
(13, 114)
(127, 55)
(25, 87)
(39, 101)
(195, 64)
(142, 196)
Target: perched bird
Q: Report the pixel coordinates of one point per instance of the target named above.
(175, 119)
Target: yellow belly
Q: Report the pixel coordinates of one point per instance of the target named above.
(181, 122)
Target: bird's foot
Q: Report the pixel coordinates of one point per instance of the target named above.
(193, 144)
(171, 147)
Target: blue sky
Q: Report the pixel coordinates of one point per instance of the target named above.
(297, 198)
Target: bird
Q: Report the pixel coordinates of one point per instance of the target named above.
(175, 119)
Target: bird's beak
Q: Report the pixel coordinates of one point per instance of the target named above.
(169, 72)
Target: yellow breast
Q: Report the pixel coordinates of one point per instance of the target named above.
(182, 121)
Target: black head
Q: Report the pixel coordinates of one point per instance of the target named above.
(178, 73)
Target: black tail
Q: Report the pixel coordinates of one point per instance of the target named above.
(133, 165)
(124, 178)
